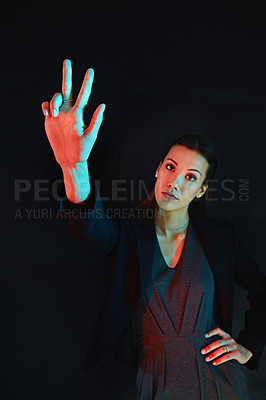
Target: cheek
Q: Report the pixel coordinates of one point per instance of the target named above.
(156, 190)
(159, 187)
(189, 190)
(160, 184)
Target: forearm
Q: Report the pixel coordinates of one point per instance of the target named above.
(88, 220)
(76, 180)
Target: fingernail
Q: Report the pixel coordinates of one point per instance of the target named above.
(203, 351)
(206, 334)
(46, 113)
(55, 113)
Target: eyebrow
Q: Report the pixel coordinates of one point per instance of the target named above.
(191, 169)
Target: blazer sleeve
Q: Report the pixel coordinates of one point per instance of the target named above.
(248, 276)
(90, 223)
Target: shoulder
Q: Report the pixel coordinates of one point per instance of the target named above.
(219, 222)
(213, 224)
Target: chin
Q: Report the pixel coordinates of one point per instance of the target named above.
(167, 206)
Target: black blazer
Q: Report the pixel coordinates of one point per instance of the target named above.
(130, 242)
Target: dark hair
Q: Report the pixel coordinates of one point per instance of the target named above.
(205, 148)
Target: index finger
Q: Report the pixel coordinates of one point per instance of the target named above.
(67, 80)
(217, 331)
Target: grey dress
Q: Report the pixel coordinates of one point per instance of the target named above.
(169, 327)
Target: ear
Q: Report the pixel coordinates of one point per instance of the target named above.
(202, 190)
(159, 166)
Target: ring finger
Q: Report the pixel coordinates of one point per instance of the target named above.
(221, 350)
(55, 104)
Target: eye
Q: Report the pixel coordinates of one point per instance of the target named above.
(193, 176)
(171, 166)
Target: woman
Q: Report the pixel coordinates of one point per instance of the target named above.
(173, 274)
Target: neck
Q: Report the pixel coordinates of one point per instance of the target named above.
(171, 223)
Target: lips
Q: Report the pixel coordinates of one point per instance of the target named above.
(169, 196)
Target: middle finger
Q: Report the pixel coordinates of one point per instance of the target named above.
(215, 345)
(67, 80)
(218, 352)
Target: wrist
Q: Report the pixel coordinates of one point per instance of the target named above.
(68, 165)
(76, 180)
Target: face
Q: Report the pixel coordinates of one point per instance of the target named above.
(181, 174)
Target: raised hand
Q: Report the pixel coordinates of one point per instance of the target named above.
(67, 133)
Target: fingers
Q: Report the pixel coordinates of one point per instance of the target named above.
(67, 80)
(217, 331)
(216, 344)
(46, 108)
(66, 96)
(85, 90)
(96, 120)
(55, 104)
(227, 355)
(52, 108)
(227, 347)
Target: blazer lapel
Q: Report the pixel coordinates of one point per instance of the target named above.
(146, 240)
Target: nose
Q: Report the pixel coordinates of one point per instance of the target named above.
(173, 185)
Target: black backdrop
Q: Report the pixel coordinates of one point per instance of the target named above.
(162, 70)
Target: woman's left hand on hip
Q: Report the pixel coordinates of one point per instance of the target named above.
(225, 347)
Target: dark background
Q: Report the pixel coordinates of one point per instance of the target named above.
(162, 70)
